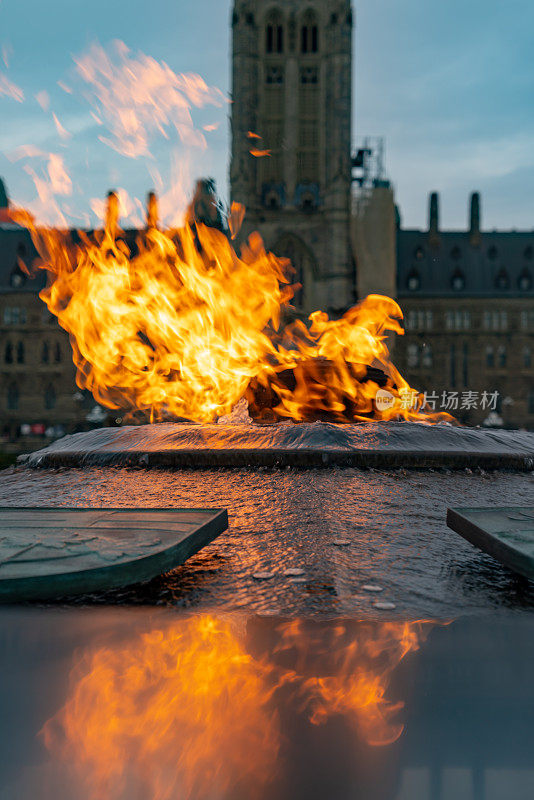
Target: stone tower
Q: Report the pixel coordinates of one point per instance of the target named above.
(292, 86)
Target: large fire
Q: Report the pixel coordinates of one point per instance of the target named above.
(174, 322)
(191, 709)
(177, 324)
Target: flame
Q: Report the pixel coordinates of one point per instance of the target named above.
(174, 323)
(358, 668)
(187, 711)
(181, 326)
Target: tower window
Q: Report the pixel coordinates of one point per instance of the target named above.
(309, 35)
(45, 353)
(274, 38)
(57, 353)
(309, 75)
(490, 356)
(274, 75)
(527, 357)
(8, 353)
(20, 353)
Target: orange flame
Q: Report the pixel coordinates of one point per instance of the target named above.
(175, 323)
(183, 327)
(188, 712)
(358, 669)
(185, 710)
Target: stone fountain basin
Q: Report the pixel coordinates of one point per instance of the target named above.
(383, 445)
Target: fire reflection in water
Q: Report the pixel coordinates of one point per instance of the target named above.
(191, 709)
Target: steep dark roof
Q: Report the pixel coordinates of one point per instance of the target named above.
(501, 264)
(15, 244)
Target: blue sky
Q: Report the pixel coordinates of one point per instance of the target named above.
(449, 85)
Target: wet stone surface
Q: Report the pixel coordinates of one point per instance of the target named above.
(280, 520)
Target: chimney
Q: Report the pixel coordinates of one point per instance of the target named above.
(474, 220)
(112, 214)
(152, 214)
(433, 220)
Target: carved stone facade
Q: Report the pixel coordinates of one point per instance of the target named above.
(292, 86)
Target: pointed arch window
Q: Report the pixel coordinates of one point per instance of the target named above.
(20, 353)
(8, 353)
(57, 353)
(50, 397)
(309, 35)
(12, 397)
(274, 34)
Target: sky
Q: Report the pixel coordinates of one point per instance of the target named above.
(448, 85)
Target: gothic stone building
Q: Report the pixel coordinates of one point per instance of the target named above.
(292, 85)
(468, 302)
(37, 375)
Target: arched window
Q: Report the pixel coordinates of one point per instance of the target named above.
(502, 280)
(309, 34)
(414, 281)
(8, 353)
(458, 281)
(45, 353)
(525, 281)
(49, 397)
(412, 356)
(12, 397)
(57, 353)
(274, 34)
(428, 358)
(20, 353)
